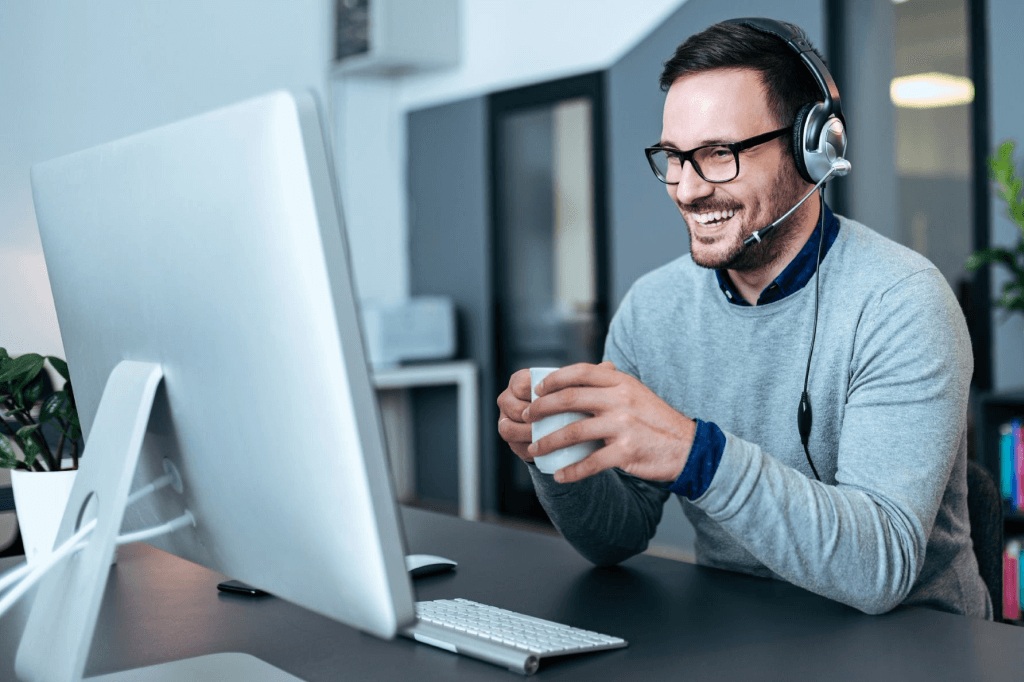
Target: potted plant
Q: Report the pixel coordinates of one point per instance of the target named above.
(1008, 187)
(40, 441)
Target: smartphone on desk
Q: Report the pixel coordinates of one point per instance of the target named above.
(238, 587)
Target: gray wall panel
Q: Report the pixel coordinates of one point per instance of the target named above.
(449, 247)
(872, 188)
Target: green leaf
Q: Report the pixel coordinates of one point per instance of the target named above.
(996, 255)
(1015, 186)
(76, 427)
(31, 448)
(23, 369)
(18, 400)
(60, 366)
(1011, 302)
(34, 392)
(57, 406)
(8, 457)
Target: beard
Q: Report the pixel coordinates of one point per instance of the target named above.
(783, 195)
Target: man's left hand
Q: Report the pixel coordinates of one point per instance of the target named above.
(643, 435)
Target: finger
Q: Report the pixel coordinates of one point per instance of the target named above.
(580, 374)
(601, 459)
(511, 406)
(519, 384)
(587, 400)
(581, 431)
(520, 450)
(514, 432)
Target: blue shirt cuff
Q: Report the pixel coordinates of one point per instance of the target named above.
(701, 465)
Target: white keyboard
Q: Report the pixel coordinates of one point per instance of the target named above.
(499, 636)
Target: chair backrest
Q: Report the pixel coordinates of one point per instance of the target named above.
(985, 509)
(15, 547)
(6, 498)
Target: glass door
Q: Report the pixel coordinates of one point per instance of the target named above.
(548, 237)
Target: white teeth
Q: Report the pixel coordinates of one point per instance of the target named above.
(715, 216)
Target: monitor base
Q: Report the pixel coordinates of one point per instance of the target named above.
(227, 667)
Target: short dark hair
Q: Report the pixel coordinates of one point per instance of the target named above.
(788, 82)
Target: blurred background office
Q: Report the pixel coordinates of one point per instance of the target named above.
(490, 152)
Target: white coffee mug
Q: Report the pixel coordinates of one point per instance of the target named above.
(551, 463)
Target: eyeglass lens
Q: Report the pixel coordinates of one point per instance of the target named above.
(715, 164)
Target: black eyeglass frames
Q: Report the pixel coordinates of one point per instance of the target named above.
(713, 162)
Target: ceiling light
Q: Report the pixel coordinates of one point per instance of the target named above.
(930, 90)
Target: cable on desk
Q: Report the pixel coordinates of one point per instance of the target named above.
(37, 573)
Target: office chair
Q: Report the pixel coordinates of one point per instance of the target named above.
(985, 511)
(15, 547)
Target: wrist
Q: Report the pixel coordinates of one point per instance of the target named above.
(706, 448)
(683, 448)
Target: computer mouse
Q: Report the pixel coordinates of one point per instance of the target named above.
(420, 565)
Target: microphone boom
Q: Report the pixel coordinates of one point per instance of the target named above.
(839, 167)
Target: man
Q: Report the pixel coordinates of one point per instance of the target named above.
(705, 364)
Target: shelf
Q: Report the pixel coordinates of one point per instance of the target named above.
(991, 410)
(1011, 515)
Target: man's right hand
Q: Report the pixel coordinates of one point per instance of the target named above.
(511, 403)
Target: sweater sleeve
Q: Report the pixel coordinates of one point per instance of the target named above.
(608, 517)
(862, 541)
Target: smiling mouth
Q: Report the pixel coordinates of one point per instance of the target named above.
(714, 218)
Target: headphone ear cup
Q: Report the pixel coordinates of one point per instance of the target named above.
(798, 140)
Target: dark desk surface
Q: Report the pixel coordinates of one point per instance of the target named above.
(682, 621)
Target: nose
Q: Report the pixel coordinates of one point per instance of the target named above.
(691, 186)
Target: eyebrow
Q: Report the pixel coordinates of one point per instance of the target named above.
(704, 143)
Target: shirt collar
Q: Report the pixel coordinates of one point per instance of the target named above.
(795, 275)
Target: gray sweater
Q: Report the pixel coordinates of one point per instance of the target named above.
(887, 525)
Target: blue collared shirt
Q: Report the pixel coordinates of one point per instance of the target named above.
(709, 440)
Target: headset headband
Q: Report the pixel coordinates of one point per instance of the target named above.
(798, 42)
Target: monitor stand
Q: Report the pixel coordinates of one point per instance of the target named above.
(67, 601)
(227, 667)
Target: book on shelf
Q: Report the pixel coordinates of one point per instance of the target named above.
(1011, 580)
(1011, 462)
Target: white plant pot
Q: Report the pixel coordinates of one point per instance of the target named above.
(39, 500)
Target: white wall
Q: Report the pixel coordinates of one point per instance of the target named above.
(503, 44)
(509, 43)
(75, 74)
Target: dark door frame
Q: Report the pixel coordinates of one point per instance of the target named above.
(499, 105)
(979, 311)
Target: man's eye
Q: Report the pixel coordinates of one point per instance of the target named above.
(720, 153)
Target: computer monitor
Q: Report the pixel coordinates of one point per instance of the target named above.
(202, 269)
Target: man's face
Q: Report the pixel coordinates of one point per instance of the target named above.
(729, 106)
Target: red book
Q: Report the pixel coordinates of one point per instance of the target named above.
(1011, 581)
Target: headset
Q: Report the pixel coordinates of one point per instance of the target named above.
(819, 143)
(819, 129)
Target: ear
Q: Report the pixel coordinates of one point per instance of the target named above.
(798, 141)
